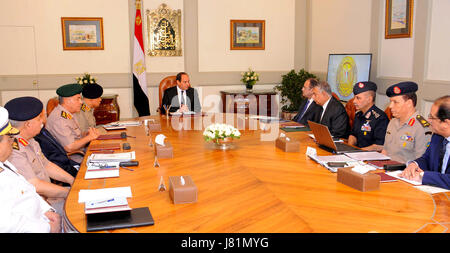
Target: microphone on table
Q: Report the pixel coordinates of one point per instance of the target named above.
(124, 135)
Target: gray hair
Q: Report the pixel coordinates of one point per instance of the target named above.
(322, 86)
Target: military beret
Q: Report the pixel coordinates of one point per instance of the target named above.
(69, 90)
(364, 86)
(5, 125)
(401, 89)
(24, 108)
(92, 91)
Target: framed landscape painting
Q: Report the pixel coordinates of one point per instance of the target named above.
(247, 34)
(82, 33)
(399, 14)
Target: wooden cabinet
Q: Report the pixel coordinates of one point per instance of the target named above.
(108, 111)
(257, 102)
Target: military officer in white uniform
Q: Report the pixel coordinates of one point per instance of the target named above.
(63, 126)
(26, 114)
(22, 210)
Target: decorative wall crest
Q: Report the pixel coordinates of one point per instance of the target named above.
(164, 32)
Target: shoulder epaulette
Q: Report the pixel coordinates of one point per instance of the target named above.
(422, 121)
(65, 115)
(15, 144)
(376, 114)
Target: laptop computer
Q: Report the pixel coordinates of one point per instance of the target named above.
(323, 137)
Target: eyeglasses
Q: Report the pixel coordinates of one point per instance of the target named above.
(431, 117)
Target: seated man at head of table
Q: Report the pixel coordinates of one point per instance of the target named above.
(63, 126)
(369, 128)
(433, 167)
(25, 114)
(308, 108)
(182, 97)
(408, 133)
(92, 97)
(332, 113)
(22, 210)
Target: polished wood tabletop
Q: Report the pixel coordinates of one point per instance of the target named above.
(255, 187)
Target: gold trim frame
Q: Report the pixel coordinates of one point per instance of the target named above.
(164, 32)
(88, 36)
(243, 41)
(402, 26)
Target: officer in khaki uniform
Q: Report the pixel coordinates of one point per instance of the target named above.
(408, 134)
(22, 209)
(26, 114)
(91, 99)
(62, 124)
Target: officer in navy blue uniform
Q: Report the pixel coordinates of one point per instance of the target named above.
(369, 128)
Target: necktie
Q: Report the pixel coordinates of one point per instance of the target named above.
(182, 97)
(442, 164)
(304, 110)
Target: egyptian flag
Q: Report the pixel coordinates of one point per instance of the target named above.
(139, 81)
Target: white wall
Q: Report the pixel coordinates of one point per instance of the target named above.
(43, 21)
(338, 26)
(214, 35)
(439, 42)
(396, 56)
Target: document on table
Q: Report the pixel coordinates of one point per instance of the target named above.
(115, 157)
(104, 194)
(431, 189)
(367, 156)
(93, 172)
(397, 173)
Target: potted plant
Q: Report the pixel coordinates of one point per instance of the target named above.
(291, 91)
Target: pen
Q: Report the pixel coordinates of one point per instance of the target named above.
(104, 201)
(126, 168)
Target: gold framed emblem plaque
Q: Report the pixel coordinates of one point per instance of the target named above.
(164, 32)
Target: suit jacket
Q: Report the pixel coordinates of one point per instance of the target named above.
(429, 163)
(170, 98)
(336, 118)
(309, 114)
(55, 152)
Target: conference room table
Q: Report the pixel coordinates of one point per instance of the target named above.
(254, 187)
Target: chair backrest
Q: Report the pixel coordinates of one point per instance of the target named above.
(351, 110)
(388, 112)
(51, 104)
(166, 83)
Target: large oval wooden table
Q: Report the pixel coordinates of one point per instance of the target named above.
(255, 187)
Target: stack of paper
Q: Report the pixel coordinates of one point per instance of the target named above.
(324, 160)
(115, 157)
(367, 156)
(102, 171)
(105, 200)
(123, 123)
(107, 206)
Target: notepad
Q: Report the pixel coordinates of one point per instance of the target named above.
(367, 156)
(105, 206)
(104, 194)
(397, 173)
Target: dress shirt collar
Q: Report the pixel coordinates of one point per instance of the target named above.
(324, 106)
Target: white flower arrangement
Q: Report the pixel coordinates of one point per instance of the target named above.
(86, 79)
(250, 77)
(218, 131)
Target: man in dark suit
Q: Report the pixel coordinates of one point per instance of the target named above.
(308, 108)
(181, 98)
(433, 167)
(54, 152)
(332, 113)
